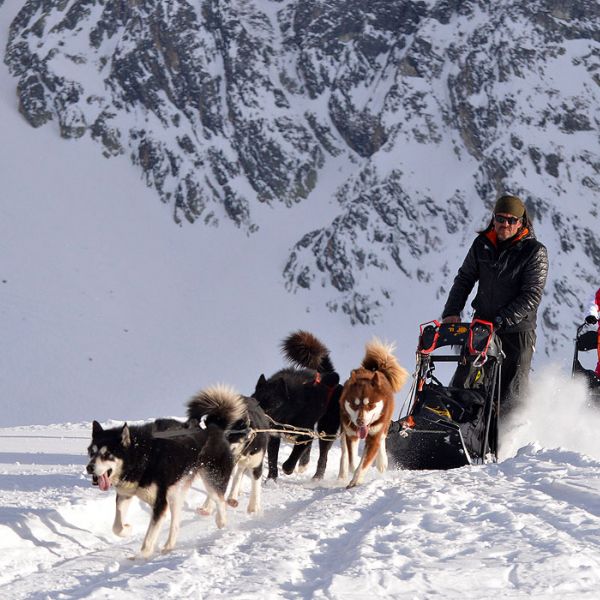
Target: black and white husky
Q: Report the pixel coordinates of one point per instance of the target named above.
(248, 443)
(157, 462)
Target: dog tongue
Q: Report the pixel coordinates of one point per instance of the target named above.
(362, 432)
(103, 482)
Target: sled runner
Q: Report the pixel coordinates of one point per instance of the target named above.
(449, 426)
(586, 340)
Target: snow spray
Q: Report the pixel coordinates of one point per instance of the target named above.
(555, 413)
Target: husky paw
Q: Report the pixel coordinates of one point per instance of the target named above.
(233, 502)
(203, 512)
(221, 522)
(167, 548)
(123, 532)
(143, 555)
(146, 551)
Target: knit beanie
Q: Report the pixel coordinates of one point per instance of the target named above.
(510, 205)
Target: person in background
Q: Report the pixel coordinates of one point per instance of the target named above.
(595, 312)
(510, 267)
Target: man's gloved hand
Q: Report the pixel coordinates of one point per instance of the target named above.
(591, 320)
(498, 323)
(451, 319)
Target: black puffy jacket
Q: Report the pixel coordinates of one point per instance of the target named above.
(511, 278)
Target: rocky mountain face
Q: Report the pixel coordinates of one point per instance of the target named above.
(432, 108)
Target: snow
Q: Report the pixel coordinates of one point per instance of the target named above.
(110, 311)
(525, 527)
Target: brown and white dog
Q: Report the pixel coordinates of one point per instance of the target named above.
(366, 409)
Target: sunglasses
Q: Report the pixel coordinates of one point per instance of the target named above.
(509, 220)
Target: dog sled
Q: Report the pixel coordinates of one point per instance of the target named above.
(586, 340)
(450, 426)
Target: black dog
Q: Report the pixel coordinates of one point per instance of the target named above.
(248, 444)
(302, 397)
(157, 463)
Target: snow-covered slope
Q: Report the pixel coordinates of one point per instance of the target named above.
(527, 527)
(425, 110)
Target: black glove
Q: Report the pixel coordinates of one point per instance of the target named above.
(591, 320)
(498, 323)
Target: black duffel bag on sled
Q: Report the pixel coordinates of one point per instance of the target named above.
(452, 425)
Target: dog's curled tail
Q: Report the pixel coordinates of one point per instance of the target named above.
(379, 356)
(220, 403)
(305, 350)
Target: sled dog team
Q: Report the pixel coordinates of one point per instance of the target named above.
(227, 435)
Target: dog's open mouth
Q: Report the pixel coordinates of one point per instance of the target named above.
(102, 481)
(363, 432)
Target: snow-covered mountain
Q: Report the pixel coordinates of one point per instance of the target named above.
(428, 109)
(321, 164)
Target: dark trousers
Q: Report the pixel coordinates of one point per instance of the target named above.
(518, 348)
(598, 365)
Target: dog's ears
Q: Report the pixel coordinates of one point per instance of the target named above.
(125, 436)
(330, 379)
(379, 379)
(262, 381)
(96, 428)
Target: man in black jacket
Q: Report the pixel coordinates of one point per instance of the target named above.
(511, 267)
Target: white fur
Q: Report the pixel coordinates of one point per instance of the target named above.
(245, 464)
(121, 528)
(350, 440)
(175, 497)
(382, 458)
(373, 429)
(352, 443)
(343, 472)
(102, 466)
(372, 415)
(353, 414)
(368, 416)
(148, 494)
